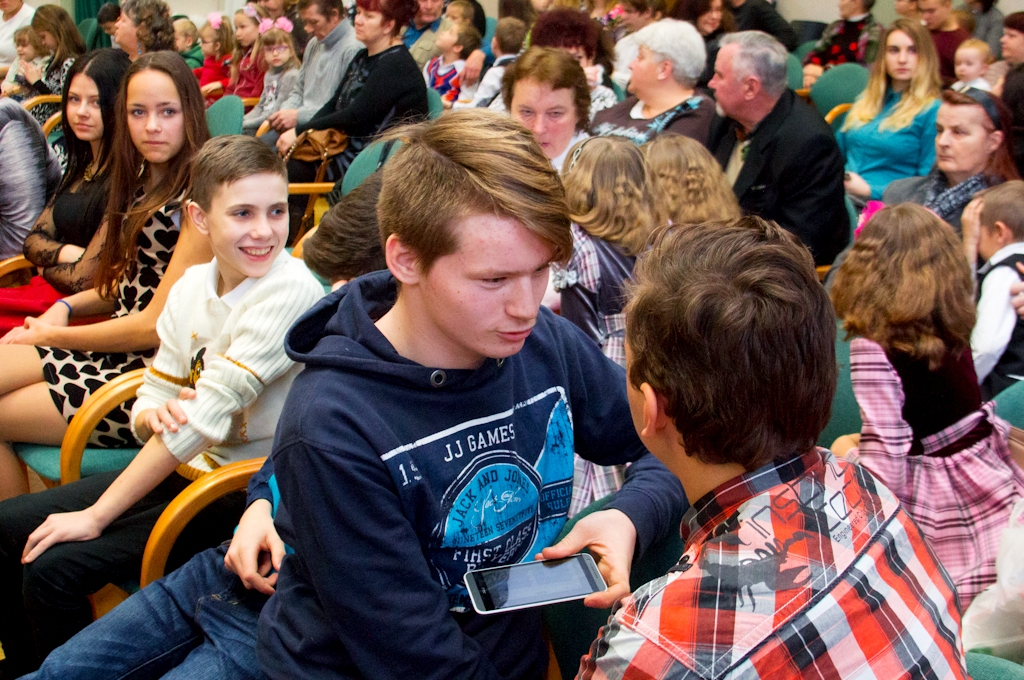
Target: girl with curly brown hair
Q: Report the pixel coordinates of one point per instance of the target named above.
(688, 184)
(608, 189)
(906, 295)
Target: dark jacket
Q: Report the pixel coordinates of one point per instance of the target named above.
(397, 478)
(758, 15)
(793, 174)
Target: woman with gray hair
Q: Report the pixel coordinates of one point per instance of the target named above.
(663, 77)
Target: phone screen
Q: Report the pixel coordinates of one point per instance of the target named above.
(530, 583)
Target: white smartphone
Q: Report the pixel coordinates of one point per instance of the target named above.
(532, 584)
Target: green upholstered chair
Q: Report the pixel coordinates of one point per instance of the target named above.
(224, 117)
(794, 72)
(620, 94)
(801, 51)
(365, 164)
(1010, 405)
(845, 412)
(90, 32)
(434, 104)
(571, 626)
(838, 85)
(985, 667)
(73, 459)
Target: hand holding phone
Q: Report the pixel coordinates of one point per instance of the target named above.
(533, 584)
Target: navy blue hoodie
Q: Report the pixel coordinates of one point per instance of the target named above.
(395, 479)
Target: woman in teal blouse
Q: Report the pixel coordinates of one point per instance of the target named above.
(889, 132)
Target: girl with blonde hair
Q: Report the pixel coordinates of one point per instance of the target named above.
(608, 189)
(889, 132)
(688, 184)
(906, 296)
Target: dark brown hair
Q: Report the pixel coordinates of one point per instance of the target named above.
(468, 39)
(227, 159)
(907, 286)
(729, 324)
(691, 10)
(469, 162)
(655, 7)
(558, 69)
(510, 33)
(1001, 166)
(127, 214)
(55, 21)
(347, 243)
(520, 9)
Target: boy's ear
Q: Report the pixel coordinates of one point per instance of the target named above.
(198, 217)
(402, 261)
(1005, 234)
(654, 417)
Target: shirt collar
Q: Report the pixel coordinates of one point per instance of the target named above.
(1016, 248)
(335, 36)
(232, 297)
(709, 511)
(859, 17)
(559, 160)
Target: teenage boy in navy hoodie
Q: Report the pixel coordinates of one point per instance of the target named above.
(433, 428)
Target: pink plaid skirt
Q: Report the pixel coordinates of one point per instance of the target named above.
(961, 502)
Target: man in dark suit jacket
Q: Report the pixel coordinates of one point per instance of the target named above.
(778, 152)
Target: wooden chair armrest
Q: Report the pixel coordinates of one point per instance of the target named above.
(188, 504)
(805, 94)
(307, 188)
(249, 102)
(822, 271)
(297, 250)
(51, 122)
(41, 99)
(837, 110)
(263, 128)
(96, 407)
(14, 264)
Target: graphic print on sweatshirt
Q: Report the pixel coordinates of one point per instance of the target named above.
(501, 483)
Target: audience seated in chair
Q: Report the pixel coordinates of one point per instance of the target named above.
(66, 239)
(460, 350)
(778, 576)
(144, 26)
(670, 59)
(889, 133)
(787, 167)
(906, 298)
(947, 34)
(855, 38)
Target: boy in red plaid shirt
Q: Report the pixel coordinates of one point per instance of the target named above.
(796, 563)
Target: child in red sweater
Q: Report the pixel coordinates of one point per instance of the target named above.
(247, 64)
(217, 43)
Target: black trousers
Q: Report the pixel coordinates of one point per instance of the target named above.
(44, 603)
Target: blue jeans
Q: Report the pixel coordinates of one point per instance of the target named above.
(197, 622)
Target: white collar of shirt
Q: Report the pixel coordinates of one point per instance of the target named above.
(857, 18)
(637, 112)
(232, 297)
(559, 160)
(1016, 248)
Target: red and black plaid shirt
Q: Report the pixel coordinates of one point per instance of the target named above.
(804, 568)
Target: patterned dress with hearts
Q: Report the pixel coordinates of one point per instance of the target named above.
(73, 375)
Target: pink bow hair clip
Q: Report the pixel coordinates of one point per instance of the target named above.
(215, 20)
(281, 22)
(869, 211)
(250, 11)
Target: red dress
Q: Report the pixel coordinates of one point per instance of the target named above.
(213, 71)
(250, 78)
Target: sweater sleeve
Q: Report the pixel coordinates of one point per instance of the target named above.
(927, 158)
(391, 80)
(169, 372)
(255, 358)
(885, 438)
